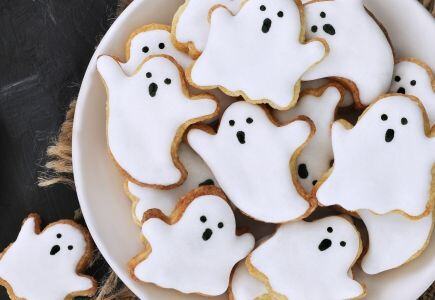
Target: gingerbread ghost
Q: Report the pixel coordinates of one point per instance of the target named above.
(258, 53)
(197, 250)
(414, 77)
(385, 162)
(147, 114)
(191, 23)
(44, 265)
(310, 260)
(253, 161)
(360, 55)
(320, 106)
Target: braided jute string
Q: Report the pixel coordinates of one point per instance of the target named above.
(58, 169)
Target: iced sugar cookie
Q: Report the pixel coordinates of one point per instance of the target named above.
(259, 53)
(414, 77)
(145, 198)
(253, 160)
(147, 114)
(47, 264)
(310, 260)
(244, 286)
(320, 106)
(191, 23)
(318, 83)
(360, 55)
(385, 162)
(393, 240)
(196, 251)
(152, 39)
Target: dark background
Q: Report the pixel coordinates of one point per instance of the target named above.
(45, 47)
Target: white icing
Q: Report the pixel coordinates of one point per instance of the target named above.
(183, 259)
(165, 200)
(141, 127)
(263, 67)
(413, 79)
(315, 84)
(359, 50)
(296, 267)
(317, 155)
(152, 40)
(251, 162)
(393, 240)
(193, 24)
(376, 173)
(33, 273)
(244, 286)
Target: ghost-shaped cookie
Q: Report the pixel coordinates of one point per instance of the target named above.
(258, 53)
(310, 260)
(385, 162)
(244, 286)
(320, 106)
(414, 77)
(360, 55)
(152, 39)
(191, 23)
(393, 240)
(47, 265)
(147, 114)
(197, 249)
(145, 198)
(254, 160)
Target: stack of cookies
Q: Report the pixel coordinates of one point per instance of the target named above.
(247, 108)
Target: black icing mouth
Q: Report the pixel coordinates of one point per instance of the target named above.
(329, 29)
(267, 23)
(325, 244)
(389, 135)
(206, 235)
(54, 249)
(401, 90)
(152, 89)
(241, 137)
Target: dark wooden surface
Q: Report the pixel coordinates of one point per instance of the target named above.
(45, 46)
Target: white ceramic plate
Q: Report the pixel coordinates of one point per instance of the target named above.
(107, 210)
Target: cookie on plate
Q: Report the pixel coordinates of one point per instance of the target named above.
(385, 163)
(47, 264)
(254, 161)
(360, 55)
(147, 114)
(309, 260)
(259, 54)
(196, 249)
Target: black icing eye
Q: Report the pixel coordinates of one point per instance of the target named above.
(329, 229)
(280, 14)
(162, 46)
(220, 225)
(262, 8)
(203, 219)
(413, 82)
(149, 75)
(302, 171)
(342, 243)
(145, 49)
(384, 117)
(397, 78)
(232, 122)
(168, 81)
(58, 235)
(314, 182)
(314, 28)
(323, 15)
(249, 120)
(404, 121)
(70, 247)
